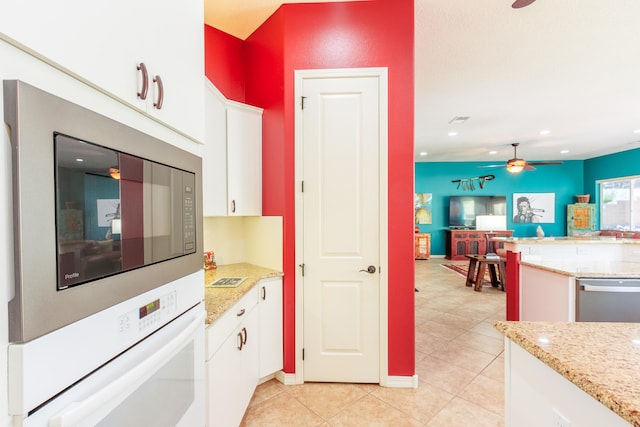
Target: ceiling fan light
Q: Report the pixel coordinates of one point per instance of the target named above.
(114, 172)
(516, 165)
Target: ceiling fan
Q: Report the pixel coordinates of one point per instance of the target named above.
(517, 165)
(521, 3)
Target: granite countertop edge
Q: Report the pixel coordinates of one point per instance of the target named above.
(628, 270)
(563, 240)
(520, 333)
(218, 300)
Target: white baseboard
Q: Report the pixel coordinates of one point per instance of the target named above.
(286, 379)
(401, 382)
(391, 382)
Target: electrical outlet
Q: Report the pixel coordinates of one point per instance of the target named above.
(559, 420)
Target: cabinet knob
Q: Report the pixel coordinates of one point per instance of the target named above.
(142, 94)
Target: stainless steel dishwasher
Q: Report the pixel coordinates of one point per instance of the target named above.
(607, 300)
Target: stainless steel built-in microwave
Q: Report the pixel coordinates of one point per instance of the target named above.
(102, 212)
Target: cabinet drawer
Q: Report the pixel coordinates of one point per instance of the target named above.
(219, 330)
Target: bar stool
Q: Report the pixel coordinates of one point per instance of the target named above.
(498, 277)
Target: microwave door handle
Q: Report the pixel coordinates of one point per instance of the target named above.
(619, 289)
(77, 411)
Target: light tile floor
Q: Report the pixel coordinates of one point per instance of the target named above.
(459, 362)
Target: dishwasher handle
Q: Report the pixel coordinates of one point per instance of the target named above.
(618, 289)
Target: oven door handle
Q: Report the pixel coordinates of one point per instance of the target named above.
(78, 411)
(621, 289)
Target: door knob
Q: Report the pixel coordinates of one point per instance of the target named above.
(371, 269)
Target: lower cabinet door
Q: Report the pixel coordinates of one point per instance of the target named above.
(232, 374)
(270, 304)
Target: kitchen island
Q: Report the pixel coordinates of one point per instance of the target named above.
(542, 272)
(569, 248)
(548, 287)
(579, 374)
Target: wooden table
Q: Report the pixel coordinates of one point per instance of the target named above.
(498, 277)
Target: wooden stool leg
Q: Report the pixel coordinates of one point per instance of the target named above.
(502, 267)
(494, 275)
(480, 277)
(471, 272)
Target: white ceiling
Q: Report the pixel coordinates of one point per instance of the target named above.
(571, 67)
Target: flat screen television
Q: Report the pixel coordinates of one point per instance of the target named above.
(463, 210)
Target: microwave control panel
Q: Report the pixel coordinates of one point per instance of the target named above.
(188, 212)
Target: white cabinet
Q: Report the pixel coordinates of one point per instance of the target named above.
(233, 374)
(244, 160)
(270, 303)
(232, 362)
(214, 154)
(102, 44)
(232, 157)
(243, 345)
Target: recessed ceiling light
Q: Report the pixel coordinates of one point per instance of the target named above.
(545, 132)
(493, 152)
(79, 160)
(452, 133)
(423, 153)
(458, 120)
(564, 151)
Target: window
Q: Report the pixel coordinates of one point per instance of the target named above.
(620, 204)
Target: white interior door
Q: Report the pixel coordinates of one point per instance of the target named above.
(341, 227)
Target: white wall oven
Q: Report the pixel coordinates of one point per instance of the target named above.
(106, 322)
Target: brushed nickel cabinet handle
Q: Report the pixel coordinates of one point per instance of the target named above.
(240, 341)
(158, 81)
(142, 94)
(241, 312)
(244, 340)
(233, 206)
(264, 293)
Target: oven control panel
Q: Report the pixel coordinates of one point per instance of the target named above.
(148, 317)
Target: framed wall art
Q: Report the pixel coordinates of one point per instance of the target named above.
(533, 208)
(423, 211)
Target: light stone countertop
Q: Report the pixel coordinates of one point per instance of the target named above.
(218, 300)
(589, 269)
(602, 359)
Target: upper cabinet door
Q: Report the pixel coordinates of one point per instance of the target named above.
(232, 157)
(214, 153)
(103, 43)
(244, 160)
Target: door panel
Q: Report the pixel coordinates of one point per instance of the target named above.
(341, 229)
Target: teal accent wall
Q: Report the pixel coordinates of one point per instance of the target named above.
(618, 165)
(566, 181)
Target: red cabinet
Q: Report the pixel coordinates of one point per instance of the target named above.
(462, 242)
(423, 246)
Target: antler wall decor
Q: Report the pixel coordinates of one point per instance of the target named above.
(468, 183)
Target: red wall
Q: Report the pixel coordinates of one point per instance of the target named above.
(338, 35)
(224, 62)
